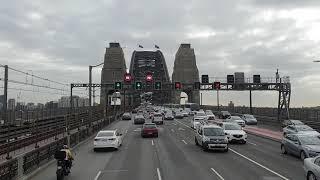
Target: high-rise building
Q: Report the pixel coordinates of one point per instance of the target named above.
(11, 104)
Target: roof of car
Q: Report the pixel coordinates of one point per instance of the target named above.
(211, 126)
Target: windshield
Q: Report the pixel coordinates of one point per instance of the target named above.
(249, 116)
(213, 132)
(304, 128)
(309, 140)
(105, 134)
(232, 127)
(150, 126)
(236, 118)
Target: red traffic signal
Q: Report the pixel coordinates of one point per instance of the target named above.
(149, 77)
(217, 85)
(177, 85)
(127, 77)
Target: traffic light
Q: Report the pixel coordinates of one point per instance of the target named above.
(157, 85)
(127, 78)
(217, 85)
(177, 85)
(204, 79)
(138, 86)
(149, 77)
(118, 85)
(197, 85)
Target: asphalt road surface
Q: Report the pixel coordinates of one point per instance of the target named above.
(173, 155)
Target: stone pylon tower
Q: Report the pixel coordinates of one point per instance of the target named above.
(185, 71)
(113, 70)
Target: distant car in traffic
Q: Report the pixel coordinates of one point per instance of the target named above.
(211, 137)
(288, 122)
(139, 119)
(249, 119)
(169, 116)
(134, 111)
(149, 129)
(234, 132)
(224, 114)
(178, 115)
(126, 116)
(185, 113)
(157, 118)
(300, 129)
(237, 119)
(107, 139)
(301, 145)
(210, 116)
(311, 168)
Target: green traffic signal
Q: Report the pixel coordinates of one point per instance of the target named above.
(138, 85)
(117, 85)
(157, 85)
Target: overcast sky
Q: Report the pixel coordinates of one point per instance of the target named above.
(59, 39)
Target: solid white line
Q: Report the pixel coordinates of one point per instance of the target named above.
(126, 131)
(258, 164)
(252, 143)
(184, 142)
(97, 176)
(152, 142)
(217, 174)
(159, 175)
(172, 130)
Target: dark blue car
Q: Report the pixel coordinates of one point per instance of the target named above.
(301, 145)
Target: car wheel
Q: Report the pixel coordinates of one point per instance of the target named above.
(311, 176)
(302, 155)
(196, 141)
(283, 149)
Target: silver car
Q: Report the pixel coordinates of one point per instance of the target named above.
(300, 129)
(311, 168)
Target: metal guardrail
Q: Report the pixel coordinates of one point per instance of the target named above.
(9, 170)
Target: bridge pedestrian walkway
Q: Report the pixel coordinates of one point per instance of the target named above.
(265, 131)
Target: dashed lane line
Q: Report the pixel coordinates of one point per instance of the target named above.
(184, 142)
(159, 175)
(152, 143)
(97, 176)
(221, 178)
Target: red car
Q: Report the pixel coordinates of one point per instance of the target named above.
(149, 130)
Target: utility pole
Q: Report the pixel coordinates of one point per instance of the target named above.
(218, 99)
(5, 99)
(90, 91)
(93, 96)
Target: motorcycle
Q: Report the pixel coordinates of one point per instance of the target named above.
(63, 168)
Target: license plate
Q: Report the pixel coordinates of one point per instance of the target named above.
(150, 133)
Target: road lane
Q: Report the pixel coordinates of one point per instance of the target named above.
(87, 163)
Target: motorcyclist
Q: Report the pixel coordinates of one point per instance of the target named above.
(69, 156)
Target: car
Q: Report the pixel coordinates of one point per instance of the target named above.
(178, 115)
(210, 116)
(126, 116)
(224, 114)
(301, 129)
(249, 119)
(149, 129)
(238, 120)
(157, 118)
(169, 116)
(288, 122)
(311, 167)
(208, 111)
(198, 118)
(139, 119)
(234, 132)
(211, 137)
(134, 111)
(185, 113)
(107, 139)
(301, 145)
(192, 113)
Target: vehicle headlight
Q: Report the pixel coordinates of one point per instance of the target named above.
(206, 139)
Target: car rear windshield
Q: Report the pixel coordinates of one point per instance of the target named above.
(104, 134)
(304, 128)
(149, 126)
(232, 127)
(249, 116)
(309, 140)
(213, 132)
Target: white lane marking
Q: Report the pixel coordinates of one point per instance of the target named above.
(217, 174)
(181, 129)
(185, 125)
(159, 175)
(152, 142)
(138, 129)
(258, 164)
(97, 176)
(126, 131)
(114, 171)
(184, 142)
(252, 143)
(175, 124)
(172, 130)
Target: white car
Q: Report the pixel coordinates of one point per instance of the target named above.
(107, 139)
(185, 113)
(198, 119)
(234, 132)
(238, 119)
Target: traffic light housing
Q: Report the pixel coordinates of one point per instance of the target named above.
(205, 79)
(127, 78)
(197, 85)
(157, 85)
(217, 85)
(118, 85)
(177, 85)
(138, 85)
